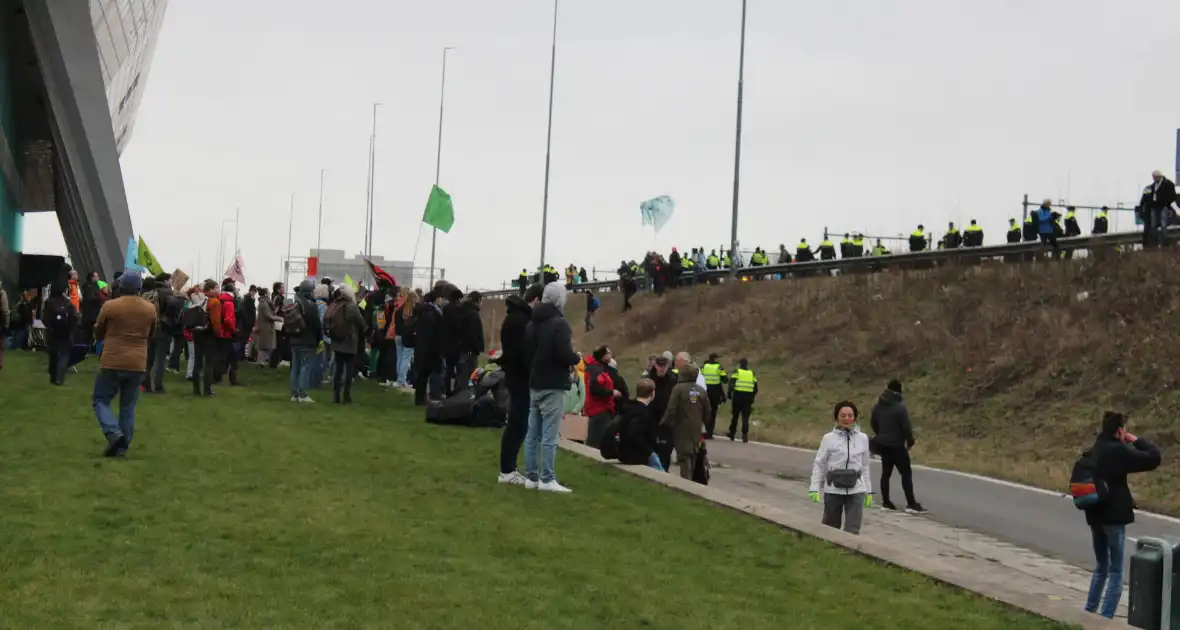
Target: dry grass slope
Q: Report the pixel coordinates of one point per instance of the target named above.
(1007, 368)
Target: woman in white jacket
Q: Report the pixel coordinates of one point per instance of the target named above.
(842, 467)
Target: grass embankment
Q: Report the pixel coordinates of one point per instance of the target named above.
(246, 511)
(1006, 368)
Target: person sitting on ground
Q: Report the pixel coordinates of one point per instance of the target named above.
(688, 408)
(841, 472)
(637, 432)
(125, 325)
(1115, 454)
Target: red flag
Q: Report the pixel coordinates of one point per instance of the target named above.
(382, 276)
(313, 266)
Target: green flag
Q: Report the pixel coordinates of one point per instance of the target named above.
(147, 260)
(439, 211)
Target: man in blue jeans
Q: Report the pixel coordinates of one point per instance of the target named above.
(551, 358)
(125, 325)
(1115, 454)
(306, 343)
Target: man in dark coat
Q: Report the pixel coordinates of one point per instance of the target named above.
(1115, 454)
(471, 342)
(60, 318)
(247, 312)
(515, 363)
(428, 357)
(893, 437)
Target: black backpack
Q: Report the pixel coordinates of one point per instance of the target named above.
(700, 468)
(609, 446)
(293, 322)
(57, 317)
(194, 318)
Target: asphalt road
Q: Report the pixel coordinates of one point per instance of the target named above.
(1035, 519)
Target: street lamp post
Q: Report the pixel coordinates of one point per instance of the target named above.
(737, 151)
(369, 188)
(320, 224)
(548, 139)
(442, 98)
(290, 227)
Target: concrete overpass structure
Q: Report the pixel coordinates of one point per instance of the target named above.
(72, 73)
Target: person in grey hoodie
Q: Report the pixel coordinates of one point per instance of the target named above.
(305, 344)
(551, 357)
(893, 437)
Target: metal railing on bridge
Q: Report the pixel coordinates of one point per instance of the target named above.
(925, 259)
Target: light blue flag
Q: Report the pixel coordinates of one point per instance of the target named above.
(657, 211)
(131, 258)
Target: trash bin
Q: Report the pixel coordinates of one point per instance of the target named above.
(1155, 585)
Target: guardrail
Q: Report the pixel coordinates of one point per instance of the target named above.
(914, 259)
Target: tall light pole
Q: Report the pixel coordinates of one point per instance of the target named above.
(442, 99)
(549, 138)
(290, 227)
(369, 188)
(737, 152)
(320, 225)
(237, 228)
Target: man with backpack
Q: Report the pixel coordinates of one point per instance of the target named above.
(592, 306)
(168, 308)
(1099, 486)
(61, 318)
(301, 324)
(346, 327)
(203, 321)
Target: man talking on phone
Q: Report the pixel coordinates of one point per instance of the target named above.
(1116, 453)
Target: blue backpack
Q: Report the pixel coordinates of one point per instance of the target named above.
(594, 303)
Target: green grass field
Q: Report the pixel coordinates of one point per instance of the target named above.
(246, 511)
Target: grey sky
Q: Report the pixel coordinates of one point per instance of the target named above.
(858, 115)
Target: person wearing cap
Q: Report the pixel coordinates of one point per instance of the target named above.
(715, 381)
(125, 325)
(664, 379)
(305, 345)
(429, 370)
(743, 387)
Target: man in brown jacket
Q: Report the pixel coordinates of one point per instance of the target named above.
(124, 326)
(688, 407)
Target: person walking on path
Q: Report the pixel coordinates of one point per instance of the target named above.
(688, 411)
(841, 472)
(515, 363)
(1115, 454)
(551, 358)
(125, 325)
(893, 437)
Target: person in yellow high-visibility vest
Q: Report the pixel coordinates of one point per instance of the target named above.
(715, 381)
(743, 387)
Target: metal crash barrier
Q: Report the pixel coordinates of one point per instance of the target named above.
(1153, 585)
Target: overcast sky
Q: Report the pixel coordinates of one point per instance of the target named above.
(858, 115)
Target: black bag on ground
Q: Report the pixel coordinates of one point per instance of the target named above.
(456, 410)
(608, 447)
(700, 467)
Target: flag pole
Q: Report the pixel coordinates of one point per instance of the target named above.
(290, 227)
(549, 138)
(320, 222)
(237, 229)
(737, 151)
(442, 99)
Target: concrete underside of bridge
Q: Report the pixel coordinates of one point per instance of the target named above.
(58, 148)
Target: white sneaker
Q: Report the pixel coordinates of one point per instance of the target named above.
(306, 399)
(529, 484)
(553, 486)
(294, 399)
(513, 478)
(386, 384)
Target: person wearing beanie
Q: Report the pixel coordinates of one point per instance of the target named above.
(305, 343)
(552, 358)
(1115, 454)
(125, 325)
(346, 325)
(515, 362)
(893, 437)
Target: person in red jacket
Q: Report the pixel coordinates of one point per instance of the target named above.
(600, 396)
(227, 334)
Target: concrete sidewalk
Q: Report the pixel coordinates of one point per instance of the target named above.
(1009, 574)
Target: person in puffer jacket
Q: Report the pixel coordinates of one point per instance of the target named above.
(841, 472)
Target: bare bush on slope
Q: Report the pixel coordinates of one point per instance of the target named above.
(1007, 367)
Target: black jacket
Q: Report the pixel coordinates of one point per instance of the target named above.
(91, 303)
(664, 387)
(453, 335)
(472, 328)
(1163, 198)
(550, 349)
(637, 435)
(428, 336)
(891, 421)
(60, 334)
(247, 312)
(515, 361)
(1115, 460)
(404, 330)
